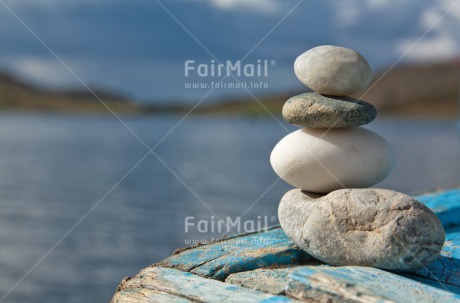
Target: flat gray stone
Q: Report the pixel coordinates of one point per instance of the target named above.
(317, 111)
(333, 70)
(363, 227)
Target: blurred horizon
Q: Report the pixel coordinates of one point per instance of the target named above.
(138, 49)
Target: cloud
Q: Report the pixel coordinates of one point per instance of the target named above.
(442, 41)
(454, 7)
(379, 4)
(440, 47)
(359, 12)
(49, 72)
(259, 6)
(348, 13)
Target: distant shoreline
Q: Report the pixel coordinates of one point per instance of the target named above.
(410, 91)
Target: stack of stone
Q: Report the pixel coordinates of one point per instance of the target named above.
(332, 214)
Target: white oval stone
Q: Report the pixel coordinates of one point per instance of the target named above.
(333, 70)
(321, 161)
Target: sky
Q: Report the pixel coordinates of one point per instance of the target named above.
(139, 48)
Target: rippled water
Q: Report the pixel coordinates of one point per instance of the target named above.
(54, 169)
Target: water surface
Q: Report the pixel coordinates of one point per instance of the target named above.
(54, 169)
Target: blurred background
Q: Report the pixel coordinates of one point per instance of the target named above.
(87, 87)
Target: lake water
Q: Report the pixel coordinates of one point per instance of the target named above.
(54, 169)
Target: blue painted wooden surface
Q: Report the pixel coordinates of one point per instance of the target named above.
(249, 252)
(445, 204)
(157, 284)
(446, 268)
(361, 284)
(434, 283)
(252, 261)
(273, 281)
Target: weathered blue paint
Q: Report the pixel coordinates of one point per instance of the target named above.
(446, 268)
(273, 281)
(445, 204)
(277, 300)
(361, 284)
(245, 253)
(444, 273)
(442, 286)
(157, 284)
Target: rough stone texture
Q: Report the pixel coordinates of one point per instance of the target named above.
(317, 111)
(333, 70)
(364, 227)
(321, 161)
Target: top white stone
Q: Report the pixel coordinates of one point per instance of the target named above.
(333, 70)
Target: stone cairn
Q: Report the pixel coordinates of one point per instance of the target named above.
(331, 161)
